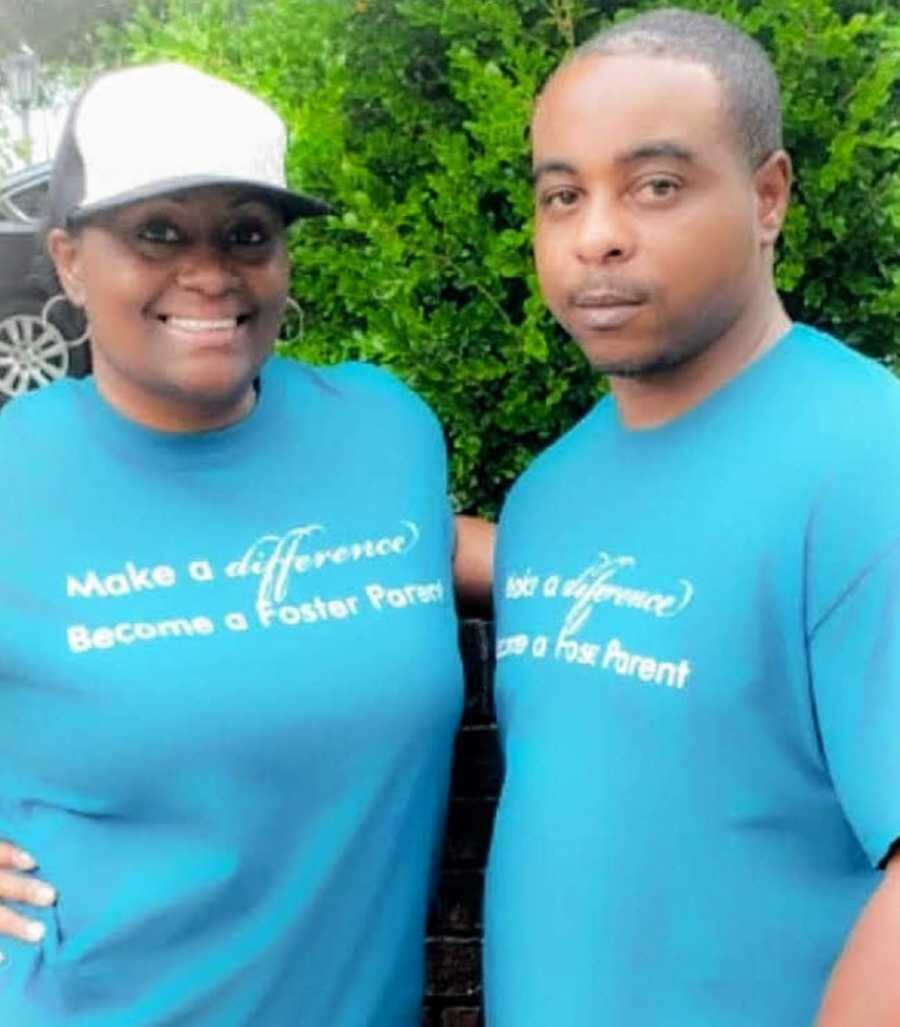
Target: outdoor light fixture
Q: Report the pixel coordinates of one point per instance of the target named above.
(20, 71)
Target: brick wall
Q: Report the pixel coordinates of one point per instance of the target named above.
(453, 988)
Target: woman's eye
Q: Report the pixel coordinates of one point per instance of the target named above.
(160, 231)
(249, 233)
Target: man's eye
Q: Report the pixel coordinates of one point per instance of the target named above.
(559, 199)
(660, 188)
(160, 231)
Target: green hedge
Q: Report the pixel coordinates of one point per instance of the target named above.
(411, 116)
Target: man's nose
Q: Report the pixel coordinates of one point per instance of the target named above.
(605, 233)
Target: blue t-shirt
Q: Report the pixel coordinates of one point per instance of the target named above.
(229, 686)
(698, 693)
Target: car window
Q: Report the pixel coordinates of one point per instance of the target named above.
(27, 204)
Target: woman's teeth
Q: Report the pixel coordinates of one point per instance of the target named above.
(194, 324)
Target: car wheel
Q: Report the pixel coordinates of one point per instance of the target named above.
(33, 353)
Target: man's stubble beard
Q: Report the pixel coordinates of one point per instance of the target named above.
(654, 365)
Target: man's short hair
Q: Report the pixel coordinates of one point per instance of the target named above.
(740, 65)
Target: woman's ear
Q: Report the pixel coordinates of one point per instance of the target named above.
(65, 252)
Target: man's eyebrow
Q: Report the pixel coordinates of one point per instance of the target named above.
(547, 167)
(644, 151)
(657, 148)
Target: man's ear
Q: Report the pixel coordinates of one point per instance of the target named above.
(772, 185)
(65, 252)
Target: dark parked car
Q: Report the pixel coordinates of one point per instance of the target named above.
(33, 351)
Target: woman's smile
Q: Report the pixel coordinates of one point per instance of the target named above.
(184, 298)
(206, 332)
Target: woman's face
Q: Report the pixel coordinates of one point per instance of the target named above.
(183, 296)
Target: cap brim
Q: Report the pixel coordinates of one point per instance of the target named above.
(292, 205)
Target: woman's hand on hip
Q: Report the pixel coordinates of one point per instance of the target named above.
(18, 885)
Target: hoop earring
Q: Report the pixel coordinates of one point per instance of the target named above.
(296, 311)
(45, 317)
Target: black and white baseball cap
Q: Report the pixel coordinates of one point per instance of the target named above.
(159, 129)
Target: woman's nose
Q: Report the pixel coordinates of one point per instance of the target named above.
(208, 269)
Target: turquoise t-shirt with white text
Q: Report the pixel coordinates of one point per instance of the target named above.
(698, 693)
(229, 686)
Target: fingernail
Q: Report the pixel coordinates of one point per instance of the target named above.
(43, 894)
(24, 860)
(34, 930)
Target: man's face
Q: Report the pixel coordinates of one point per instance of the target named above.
(647, 235)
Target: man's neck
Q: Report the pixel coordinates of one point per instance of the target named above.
(651, 401)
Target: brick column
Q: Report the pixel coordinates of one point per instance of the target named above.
(453, 988)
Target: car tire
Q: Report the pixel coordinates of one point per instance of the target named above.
(32, 352)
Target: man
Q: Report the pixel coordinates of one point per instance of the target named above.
(698, 680)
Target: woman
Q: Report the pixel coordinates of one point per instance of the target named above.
(225, 603)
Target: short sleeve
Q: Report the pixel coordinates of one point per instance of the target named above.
(854, 654)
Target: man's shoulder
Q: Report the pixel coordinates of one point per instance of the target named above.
(838, 367)
(844, 397)
(572, 458)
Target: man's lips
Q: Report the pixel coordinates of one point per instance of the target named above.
(606, 298)
(605, 310)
